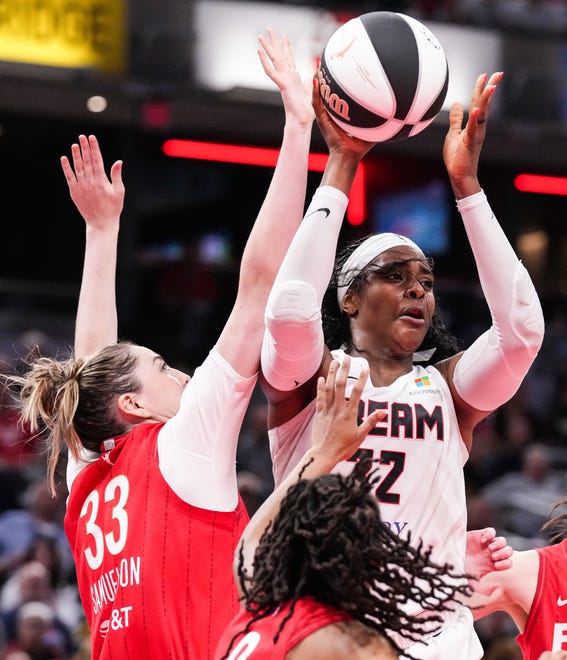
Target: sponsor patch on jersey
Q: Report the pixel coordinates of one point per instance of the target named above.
(423, 386)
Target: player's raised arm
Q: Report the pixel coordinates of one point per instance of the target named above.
(490, 371)
(99, 200)
(280, 214)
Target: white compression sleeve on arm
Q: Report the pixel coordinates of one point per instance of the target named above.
(293, 342)
(491, 370)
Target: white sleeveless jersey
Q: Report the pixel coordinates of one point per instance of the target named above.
(421, 455)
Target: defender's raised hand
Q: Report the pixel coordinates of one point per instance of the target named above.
(98, 199)
(336, 431)
(278, 62)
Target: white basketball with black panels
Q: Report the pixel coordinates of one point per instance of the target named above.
(383, 76)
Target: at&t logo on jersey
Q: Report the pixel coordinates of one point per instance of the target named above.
(119, 618)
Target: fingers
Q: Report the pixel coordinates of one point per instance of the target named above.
(286, 47)
(503, 565)
(77, 160)
(330, 383)
(267, 43)
(496, 77)
(68, 171)
(353, 402)
(482, 98)
(477, 92)
(116, 174)
(341, 382)
(358, 387)
(275, 54)
(316, 99)
(370, 422)
(320, 398)
(266, 54)
(86, 156)
(325, 388)
(501, 554)
(456, 117)
(268, 70)
(95, 155)
(497, 543)
(332, 389)
(488, 534)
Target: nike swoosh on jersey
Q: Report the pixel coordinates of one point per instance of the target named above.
(323, 209)
(561, 602)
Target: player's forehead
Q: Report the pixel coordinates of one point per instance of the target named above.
(143, 352)
(400, 255)
(146, 358)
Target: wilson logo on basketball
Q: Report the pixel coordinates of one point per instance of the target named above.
(333, 101)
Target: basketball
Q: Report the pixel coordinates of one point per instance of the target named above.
(383, 76)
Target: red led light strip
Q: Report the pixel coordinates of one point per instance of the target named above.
(537, 183)
(232, 153)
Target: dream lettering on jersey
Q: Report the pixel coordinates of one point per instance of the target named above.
(404, 421)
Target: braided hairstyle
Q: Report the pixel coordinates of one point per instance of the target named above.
(328, 542)
(71, 402)
(336, 324)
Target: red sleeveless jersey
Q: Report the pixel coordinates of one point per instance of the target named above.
(546, 626)
(154, 573)
(258, 643)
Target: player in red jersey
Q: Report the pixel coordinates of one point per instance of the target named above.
(312, 550)
(154, 514)
(533, 592)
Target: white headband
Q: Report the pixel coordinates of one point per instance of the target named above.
(365, 253)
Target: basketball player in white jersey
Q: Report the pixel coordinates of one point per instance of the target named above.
(380, 310)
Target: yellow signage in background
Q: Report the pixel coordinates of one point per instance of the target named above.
(64, 33)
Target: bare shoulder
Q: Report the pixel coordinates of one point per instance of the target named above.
(343, 640)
